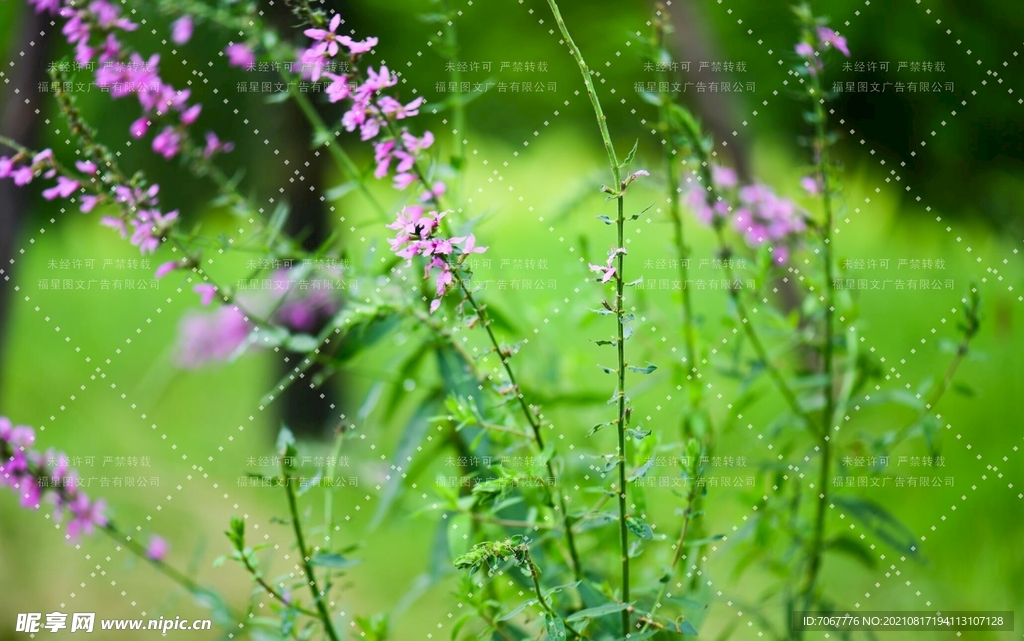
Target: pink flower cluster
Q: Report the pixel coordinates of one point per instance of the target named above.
(289, 302)
(34, 476)
(92, 28)
(418, 236)
(825, 36)
(760, 216)
(765, 218)
(148, 225)
(370, 112)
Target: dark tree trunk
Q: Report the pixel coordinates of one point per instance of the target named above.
(18, 121)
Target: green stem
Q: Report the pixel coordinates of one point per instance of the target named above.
(687, 519)
(535, 575)
(300, 540)
(618, 187)
(534, 421)
(342, 159)
(458, 106)
(817, 542)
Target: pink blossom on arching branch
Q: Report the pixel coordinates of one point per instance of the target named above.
(6, 165)
(86, 515)
(181, 30)
(391, 107)
(88, 203)
(22, 176)
(358, 48)
(46, 5)
(206, 293)
(435, 192)
(115, 223)
(86, 167)
(327, 37)
(208, 338)
(780, 254)
(215, 146)
(166, 268)
(828, 36)
(64, 188)
(157, 548)
(404, 180)
(167, 143)
(138, 128)
(383, 154)
(190, 115)
(240, 55)
(339, 89)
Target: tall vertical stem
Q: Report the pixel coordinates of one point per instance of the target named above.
(300, 540)
(613, 162)
(821, 143)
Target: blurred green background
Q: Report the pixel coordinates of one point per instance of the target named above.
(93, 370)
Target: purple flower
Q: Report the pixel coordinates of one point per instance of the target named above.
(6, 165)
(167, 142)
(206, 293)
(828, 36)
(115, 223)
(205, 338)
(181, 30)
(723, 177)
(22, 176)
(157, 549)
(88, 203)
(607, 273)
(138, 128)
(328, 38)
(214, 145)
(404, 180)
(240, 55)
(189, 115)
(805, 50)
(357, 48)
(64, 188)
(86, 166)
(338, 90)
(86, 516)
(382, 155)
(46, 5)
(391, 107)
(811, 185)
(165, 268)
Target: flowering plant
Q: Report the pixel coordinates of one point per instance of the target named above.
(570, 543)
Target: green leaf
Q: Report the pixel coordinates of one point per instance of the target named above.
(605, 219)
(637, 433)
(555, 628)
(608, 370)
(881, 522)
(339, 191)
(519, 608)
(412, 436)
(631, 154)
(855, 548)
(333, 561)
(639, 528)
(643, 370)
(641, 471)
(302, 343)
(598, 611)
